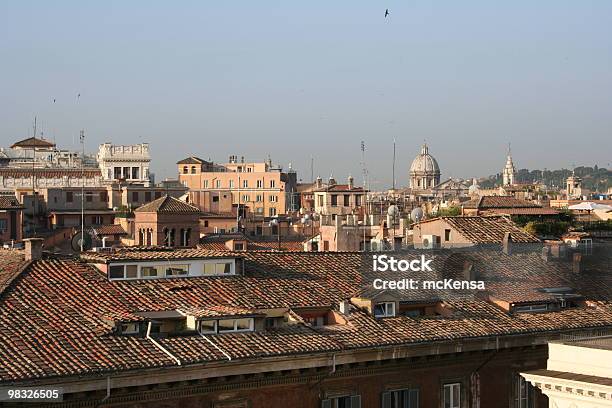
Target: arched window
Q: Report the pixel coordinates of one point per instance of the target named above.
(185, 170)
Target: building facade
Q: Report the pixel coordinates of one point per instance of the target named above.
(265, 190)
(128, 163)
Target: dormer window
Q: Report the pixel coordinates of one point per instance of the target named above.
(130, 328)
(530, 308)
(384, 309)
(169, 269)
(218, 268)
(226, 326)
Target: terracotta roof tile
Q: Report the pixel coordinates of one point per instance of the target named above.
(54, 317)
(168, 204)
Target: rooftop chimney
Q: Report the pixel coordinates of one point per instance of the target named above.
(507, 243)
(577, 257)
(350, 182)
(545, 253)
(319, 182)
(345, 307)
(33, 249)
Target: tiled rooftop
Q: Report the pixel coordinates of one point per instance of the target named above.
(487, 230)
(54, 316)
(486, 202)
(9, 203)
(168, 204)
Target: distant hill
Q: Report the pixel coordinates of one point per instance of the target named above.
(593, 178)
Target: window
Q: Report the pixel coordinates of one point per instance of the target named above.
(347, 200)
(116, 271)
(218, 268)
(530, 308)
(117, 173)
(205, 184)
(151, 271)
(384, 309)
(129, 328)
(273, 198)
(193, 169)
(177, 270)
(272, 212)
(451, 395)
(259, 183)
(272, 183)
(259, 198)
(523, 393)
(2, 226)
(96, 220)
(185, 170)
(346, 401)
(215, 199)
(69, 196)
(357, 200)
(123, 271)
(447, 234)
(231, 184)
(131, 271)
(218, 183)
(206, 224)
(239, 246)
(208, 326)
(226, 325)
(126, 172)
(135, 173)
(135, 196)
(404, 398)
(334, 200)
(245, 183)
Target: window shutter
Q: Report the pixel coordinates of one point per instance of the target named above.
(414, 399)
(356, 401)
(386, 400)
(326, 403)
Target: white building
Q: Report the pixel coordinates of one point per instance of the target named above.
(125, 162)
(578, 374)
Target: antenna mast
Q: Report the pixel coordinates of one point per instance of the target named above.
(34, 182)
(394, 164)
(82, 139)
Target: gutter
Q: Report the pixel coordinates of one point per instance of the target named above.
(215, 346)
(178, 362)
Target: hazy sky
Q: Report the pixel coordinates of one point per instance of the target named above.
(313, 78)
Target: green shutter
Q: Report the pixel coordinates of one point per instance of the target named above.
(413, 398)
(386, 400)
(356, 401)
(326, 403)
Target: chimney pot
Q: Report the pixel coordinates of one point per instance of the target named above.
(507, 243)
(33, 249)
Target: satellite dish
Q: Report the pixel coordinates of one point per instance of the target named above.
(417, 214)
(392, 210)
(75, 242)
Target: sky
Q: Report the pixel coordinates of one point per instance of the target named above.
(299, 80)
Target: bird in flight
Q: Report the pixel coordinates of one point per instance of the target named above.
(386, 13)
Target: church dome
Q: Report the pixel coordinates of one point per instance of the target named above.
(424, 171)
(425, 163)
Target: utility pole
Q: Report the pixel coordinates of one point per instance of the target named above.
(82, 139)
